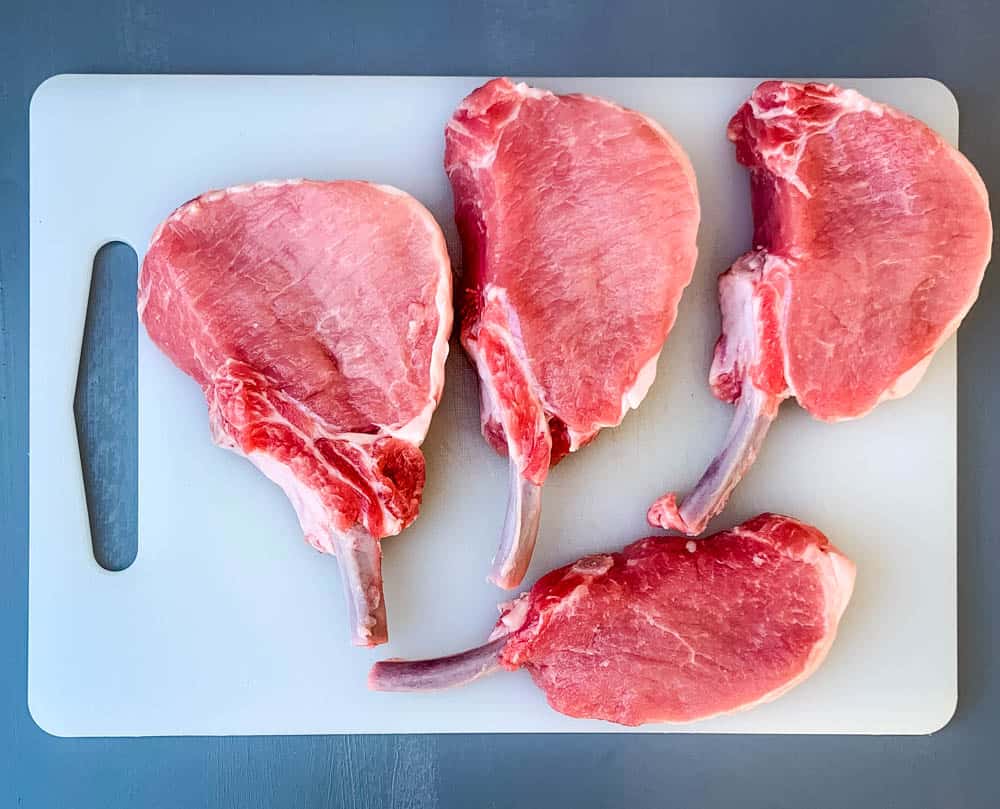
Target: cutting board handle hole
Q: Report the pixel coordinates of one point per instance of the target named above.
(106, 407)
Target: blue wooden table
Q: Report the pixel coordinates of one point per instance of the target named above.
(952, 41)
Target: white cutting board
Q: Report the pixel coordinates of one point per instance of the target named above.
(227, 623)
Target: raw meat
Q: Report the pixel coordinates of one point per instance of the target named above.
(315, 316)
(668, 630)
(578, 221)
(871, 236)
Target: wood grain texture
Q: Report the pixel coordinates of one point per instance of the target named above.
(952, 41)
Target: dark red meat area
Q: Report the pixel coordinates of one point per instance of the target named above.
(353, 481)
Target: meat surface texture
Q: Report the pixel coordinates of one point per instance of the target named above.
(668, 630)
(315, 316)
(578, 221)
(871, 237)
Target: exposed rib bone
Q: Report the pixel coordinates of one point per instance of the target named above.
(359, 557)
(752, 417)
(437, 673)
(520, 530)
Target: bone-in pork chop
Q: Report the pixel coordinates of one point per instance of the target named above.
(871, 236)
(578, 221)
(668, 630)
(315, 316)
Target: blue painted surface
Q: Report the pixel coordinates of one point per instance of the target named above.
(105, 406)
(951, 41)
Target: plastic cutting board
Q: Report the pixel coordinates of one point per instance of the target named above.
(227, 623)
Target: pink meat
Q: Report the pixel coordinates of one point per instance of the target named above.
(578, 221)
(667, 630)
(871, 237)
(315, 316)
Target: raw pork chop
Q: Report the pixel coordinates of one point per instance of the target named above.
(871, 236)
(578, 221)
(315, 316)
(667, 630)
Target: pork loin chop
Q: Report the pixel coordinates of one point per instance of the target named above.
(668, 630)
(315, 316)
(871, 237)
(578, 221)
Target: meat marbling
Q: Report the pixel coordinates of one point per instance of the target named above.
(315, 316)
(578, 221)
(871, 237)
(668, 630)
